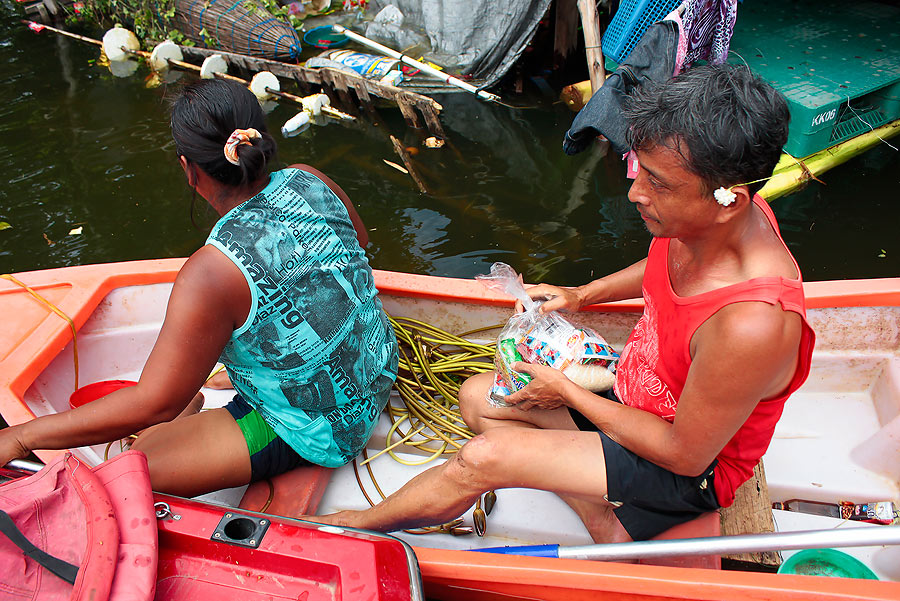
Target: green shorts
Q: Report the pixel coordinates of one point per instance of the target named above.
(269, 454)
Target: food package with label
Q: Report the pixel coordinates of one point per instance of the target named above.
(544, 339)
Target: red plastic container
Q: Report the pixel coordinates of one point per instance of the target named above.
(92, 392)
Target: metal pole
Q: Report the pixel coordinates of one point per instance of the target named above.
(24, 465)
(744, 543)
(454, 81)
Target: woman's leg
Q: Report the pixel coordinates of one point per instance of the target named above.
(196, 454)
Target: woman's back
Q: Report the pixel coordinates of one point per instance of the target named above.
(316, 355)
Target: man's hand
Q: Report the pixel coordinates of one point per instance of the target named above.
(545, 391)
(567, 299)
(11, 445)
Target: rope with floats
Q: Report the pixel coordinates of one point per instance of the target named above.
(120, 44)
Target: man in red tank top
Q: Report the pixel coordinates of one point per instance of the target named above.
(703, 378)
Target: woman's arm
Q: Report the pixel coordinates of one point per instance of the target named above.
(209, 299)
(362, 233)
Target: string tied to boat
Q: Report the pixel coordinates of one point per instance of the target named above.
(54, 309)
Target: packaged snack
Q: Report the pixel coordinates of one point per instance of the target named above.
(544, 339)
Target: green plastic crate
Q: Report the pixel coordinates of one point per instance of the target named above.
(837, 63)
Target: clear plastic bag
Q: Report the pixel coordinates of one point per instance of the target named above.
(545, 339)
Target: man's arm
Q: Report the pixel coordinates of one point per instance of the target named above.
(623, 284)
(209, 296)
(744, 353)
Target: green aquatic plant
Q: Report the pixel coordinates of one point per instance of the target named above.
(151, 20)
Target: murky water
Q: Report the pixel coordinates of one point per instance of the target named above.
(81, 148)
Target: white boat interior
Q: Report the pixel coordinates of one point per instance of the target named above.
(839, 438)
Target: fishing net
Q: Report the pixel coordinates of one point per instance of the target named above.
(241, 26)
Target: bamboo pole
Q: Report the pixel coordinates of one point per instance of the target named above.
(791, 174)
(590, 24)
(39, 27)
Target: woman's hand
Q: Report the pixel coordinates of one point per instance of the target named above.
(11, 445)
(547, 389)
(567, 299)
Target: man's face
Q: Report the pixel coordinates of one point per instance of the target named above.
(671, 200)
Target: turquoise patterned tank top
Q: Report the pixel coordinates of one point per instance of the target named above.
(317, 355)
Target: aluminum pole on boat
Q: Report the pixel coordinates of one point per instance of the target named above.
(428, 70)
(715, 545)
(23, 465)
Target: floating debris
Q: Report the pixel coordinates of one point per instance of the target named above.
(396, 166)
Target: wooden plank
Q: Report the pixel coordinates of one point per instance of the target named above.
(313, 76)
(432, 122)
(565, 31)
(338, 82)
(411, 116)
(751, 513)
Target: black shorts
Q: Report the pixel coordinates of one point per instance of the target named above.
(646, 498)
(269, 454)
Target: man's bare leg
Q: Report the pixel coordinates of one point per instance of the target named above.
(562, 461)
(479, 415)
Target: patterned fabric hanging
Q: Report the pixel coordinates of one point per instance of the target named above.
(708, 25)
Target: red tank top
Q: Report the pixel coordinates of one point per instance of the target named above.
(654, 364)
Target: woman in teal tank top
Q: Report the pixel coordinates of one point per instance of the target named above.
(282, 294)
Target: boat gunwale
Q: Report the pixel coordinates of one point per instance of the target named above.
(88, 285)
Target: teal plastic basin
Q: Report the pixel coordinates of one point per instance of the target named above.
(826, 562)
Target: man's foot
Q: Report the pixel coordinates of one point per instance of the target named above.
(600, 521)
(220, 381)
(193, 407)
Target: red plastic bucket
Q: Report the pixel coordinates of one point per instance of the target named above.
(94, 391)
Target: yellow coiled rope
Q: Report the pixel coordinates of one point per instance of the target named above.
(433, 365)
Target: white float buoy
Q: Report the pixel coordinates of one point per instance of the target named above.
(313, 103)
(295, 124)
(163, 53)
(115, 39)
(213, 64)
(261, 81)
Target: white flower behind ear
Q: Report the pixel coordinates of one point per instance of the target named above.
(724, 196)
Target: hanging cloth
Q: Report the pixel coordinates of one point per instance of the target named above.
(708, 25)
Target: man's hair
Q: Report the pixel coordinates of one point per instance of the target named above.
(731, 123)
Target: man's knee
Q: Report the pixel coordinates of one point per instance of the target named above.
(479, 462)
(472, 400)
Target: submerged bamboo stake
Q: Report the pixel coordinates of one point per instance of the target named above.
(791, 173)
(398, 147)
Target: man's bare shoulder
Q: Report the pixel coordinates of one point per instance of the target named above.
(768, 256)
(753, 334)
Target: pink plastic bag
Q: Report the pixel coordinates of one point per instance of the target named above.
(101, 521)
